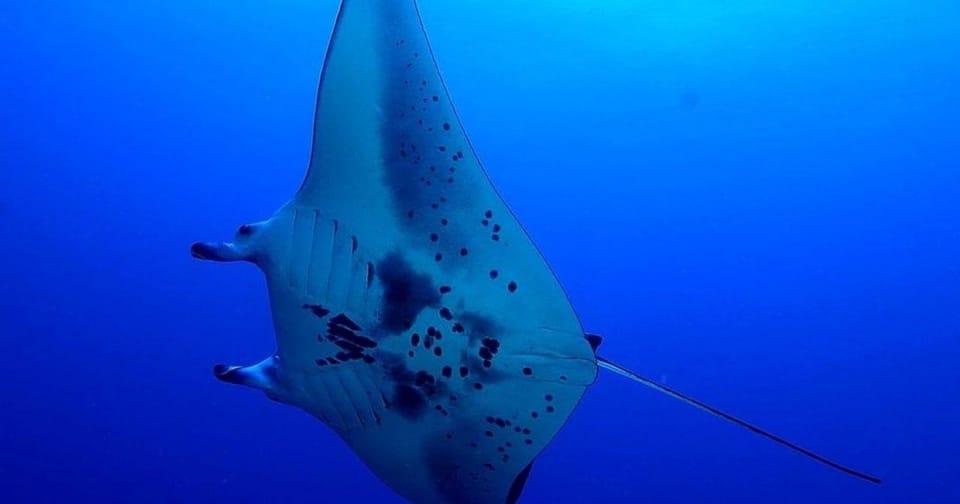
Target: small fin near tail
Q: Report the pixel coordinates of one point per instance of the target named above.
(610, 366)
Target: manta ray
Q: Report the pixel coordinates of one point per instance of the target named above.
(413, 314)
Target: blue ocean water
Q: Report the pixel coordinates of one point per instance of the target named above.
(756, 203)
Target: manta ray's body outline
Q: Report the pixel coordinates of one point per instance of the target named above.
(413, 313)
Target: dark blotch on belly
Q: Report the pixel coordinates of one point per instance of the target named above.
(408, 401)
(406, 293)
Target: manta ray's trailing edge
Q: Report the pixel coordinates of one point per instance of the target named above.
(413, 314)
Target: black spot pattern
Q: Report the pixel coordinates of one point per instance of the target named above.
(343, 332)
(317, 310)
(420, 143)
(486, 352)
(413, 391)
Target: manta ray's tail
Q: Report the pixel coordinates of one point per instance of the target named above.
(606, 364)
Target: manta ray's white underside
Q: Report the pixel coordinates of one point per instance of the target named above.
(413, 314)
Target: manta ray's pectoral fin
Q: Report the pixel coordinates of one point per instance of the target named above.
(262, 376)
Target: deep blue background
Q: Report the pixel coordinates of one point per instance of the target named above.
(756, 202)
